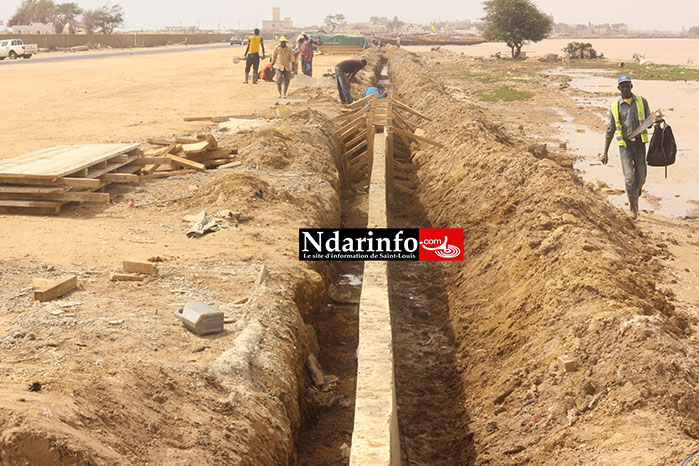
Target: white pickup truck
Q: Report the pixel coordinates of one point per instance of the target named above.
(15, 48)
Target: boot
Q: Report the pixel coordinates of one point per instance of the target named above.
(246, 78)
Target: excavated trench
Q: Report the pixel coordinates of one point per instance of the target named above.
(434, 428)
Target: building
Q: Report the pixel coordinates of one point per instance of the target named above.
(34, 28)
(277, 24)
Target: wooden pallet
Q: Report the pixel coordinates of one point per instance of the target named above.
(41, 182)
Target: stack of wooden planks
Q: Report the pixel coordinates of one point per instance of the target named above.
(41, 182)
(183, 155)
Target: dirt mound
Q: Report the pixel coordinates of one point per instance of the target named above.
(568, 352)
(123, 382)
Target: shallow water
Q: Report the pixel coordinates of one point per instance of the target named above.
(670, 51)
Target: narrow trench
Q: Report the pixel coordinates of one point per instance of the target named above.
(433, 423)
(337, 330)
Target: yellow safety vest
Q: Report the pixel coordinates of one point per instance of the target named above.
(254, 44)
(641, 116)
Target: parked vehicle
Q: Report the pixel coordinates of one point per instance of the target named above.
(235, 40)
(15, 48)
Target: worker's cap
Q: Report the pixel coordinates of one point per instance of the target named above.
(282, 39)
(624, 78)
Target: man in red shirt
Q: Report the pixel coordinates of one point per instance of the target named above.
(306, 51)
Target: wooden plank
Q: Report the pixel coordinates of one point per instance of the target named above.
(402, 122)
(409, 109)
(358, 138)
(358, 148)
(60, 161)
(196, 146)
(56, 288)
(119, 178)
(417, 138)
(159, 142)
(208, 118)
(69, 196)
(181, 140)
(150, 160)
(140, 267)
(126, 277)
(187, 163)
(31, 189)
(168, 173)
(237, 163)
(359, 103)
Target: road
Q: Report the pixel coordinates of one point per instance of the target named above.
(99, 56)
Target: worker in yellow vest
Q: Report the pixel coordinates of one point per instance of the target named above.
(252, 55)
(625, 115)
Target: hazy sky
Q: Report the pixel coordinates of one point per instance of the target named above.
(149, 14)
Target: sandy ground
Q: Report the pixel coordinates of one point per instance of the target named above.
(126, 99)
(106, 345)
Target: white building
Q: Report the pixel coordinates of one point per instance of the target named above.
(34, 28)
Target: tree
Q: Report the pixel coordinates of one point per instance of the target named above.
(109, 18)
(65, 13)
(515, 22)
(335, 22)
(33, 11)
(89, 20)
(580, 50)
(694, 31)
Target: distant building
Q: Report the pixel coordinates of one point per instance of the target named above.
(277, 24)
(183, 29)
(34, 28)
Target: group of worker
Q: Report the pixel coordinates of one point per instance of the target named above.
(284, 59)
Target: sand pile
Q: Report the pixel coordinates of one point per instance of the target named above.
(568, 352)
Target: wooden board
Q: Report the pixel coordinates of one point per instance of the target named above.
(57, 288)
(140, 267)
(126, 277)
(59, 161)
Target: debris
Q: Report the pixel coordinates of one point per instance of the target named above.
(203, 226)
(57, 312)
(140, 267)
(314, 370)
(47, 290)
(35, 387)
(345, 450)
(567, 364)
(200, 318)
(116, 322)
(126, 277)
(514, 450)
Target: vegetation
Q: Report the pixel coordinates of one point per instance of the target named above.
(515, 22)
(505, 94)
(105, 19)
(109, 17)
(334, 22)
(580, 50)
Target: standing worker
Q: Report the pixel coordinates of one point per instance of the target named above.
(306, 52)
(625, 115)
(281, 61)
(252, 54)
(344, 72)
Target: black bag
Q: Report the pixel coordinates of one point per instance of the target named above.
(662, 147)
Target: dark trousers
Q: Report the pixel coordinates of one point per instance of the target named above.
(633, 164)
(307, 67)
(253, 60)
(343, 86)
